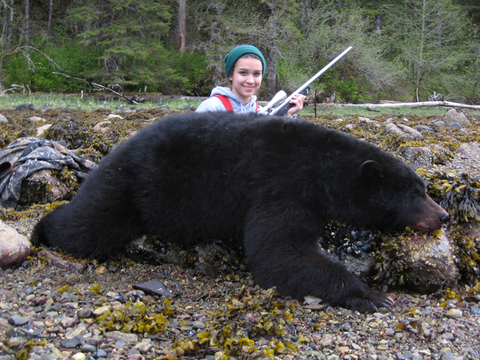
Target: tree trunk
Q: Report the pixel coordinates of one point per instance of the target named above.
(216, 37)
(10, 28)
(50, 11)
(181, 25)
(27, 24)
(271, 70)
(378, 25)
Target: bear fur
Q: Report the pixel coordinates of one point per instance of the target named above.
(267, 182)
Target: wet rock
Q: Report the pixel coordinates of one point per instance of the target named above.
(42, 187)
(72, 343)
(36, 119)
(418, 157)
(43, 129)
(430, 264)
(423, 128)
(68, 322)
(101, 353)
(154, 287)
(144, 347)
(3, 119)
(88, 348)
(84, 312)
(114, 116)
(66, 262)
(469, 151)
(100, 310)
(25, 107)
(103, 127)
(119, 336)
(439, 153)
(18, 320)
(44, 108)
(454, 313)
(14, 247)
(403, 132)
(79, 356)
(454, 116)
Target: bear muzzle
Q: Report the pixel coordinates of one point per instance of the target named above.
(433, 216)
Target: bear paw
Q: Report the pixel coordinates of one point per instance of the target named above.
(370, 301)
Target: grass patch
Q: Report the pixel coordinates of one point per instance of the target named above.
(181, 104)
(90, 103)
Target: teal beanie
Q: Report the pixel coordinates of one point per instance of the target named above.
(239, 51)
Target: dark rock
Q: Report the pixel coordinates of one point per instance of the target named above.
(154, 287)
(84, 312)
(423, 128)
(72, 343)
(18, 320)
(88, 348)
(25, 107)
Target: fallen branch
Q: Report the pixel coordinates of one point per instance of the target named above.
(98, 87)
(412, 105)
(15, 87)
(73, 77)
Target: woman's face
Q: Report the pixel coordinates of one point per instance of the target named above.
(246, 78)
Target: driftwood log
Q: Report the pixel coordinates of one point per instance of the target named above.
(411, 104)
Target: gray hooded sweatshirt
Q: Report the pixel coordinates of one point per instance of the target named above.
(215, 104)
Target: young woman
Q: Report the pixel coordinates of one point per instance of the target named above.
(245, 67)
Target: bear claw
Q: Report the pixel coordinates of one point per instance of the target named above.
(371, 301)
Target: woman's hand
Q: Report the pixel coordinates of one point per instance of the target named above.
(297, 102)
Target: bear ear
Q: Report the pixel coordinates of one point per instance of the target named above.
(371, 170)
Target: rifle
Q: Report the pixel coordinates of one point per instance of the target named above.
(282, 108)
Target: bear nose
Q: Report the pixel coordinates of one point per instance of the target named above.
(444, 217)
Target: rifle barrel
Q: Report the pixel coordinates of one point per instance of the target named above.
(312, 79)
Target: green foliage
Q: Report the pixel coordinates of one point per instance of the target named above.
(68, 57)
(430, 40)
(423, 46)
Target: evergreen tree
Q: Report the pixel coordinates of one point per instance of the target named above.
(432, 40)
(130, 39)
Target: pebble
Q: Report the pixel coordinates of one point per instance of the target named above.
(454, 313)
(79, 356)
(18, 320)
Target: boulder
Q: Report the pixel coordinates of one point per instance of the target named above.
(454, 116)
(14, 247)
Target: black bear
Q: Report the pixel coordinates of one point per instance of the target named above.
(268, 182)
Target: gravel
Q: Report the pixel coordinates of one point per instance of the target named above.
(48, 312)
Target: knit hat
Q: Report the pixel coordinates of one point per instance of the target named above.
(239, 51)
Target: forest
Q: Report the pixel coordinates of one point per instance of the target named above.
(403, 50)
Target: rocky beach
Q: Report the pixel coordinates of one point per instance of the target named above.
(203, 303)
